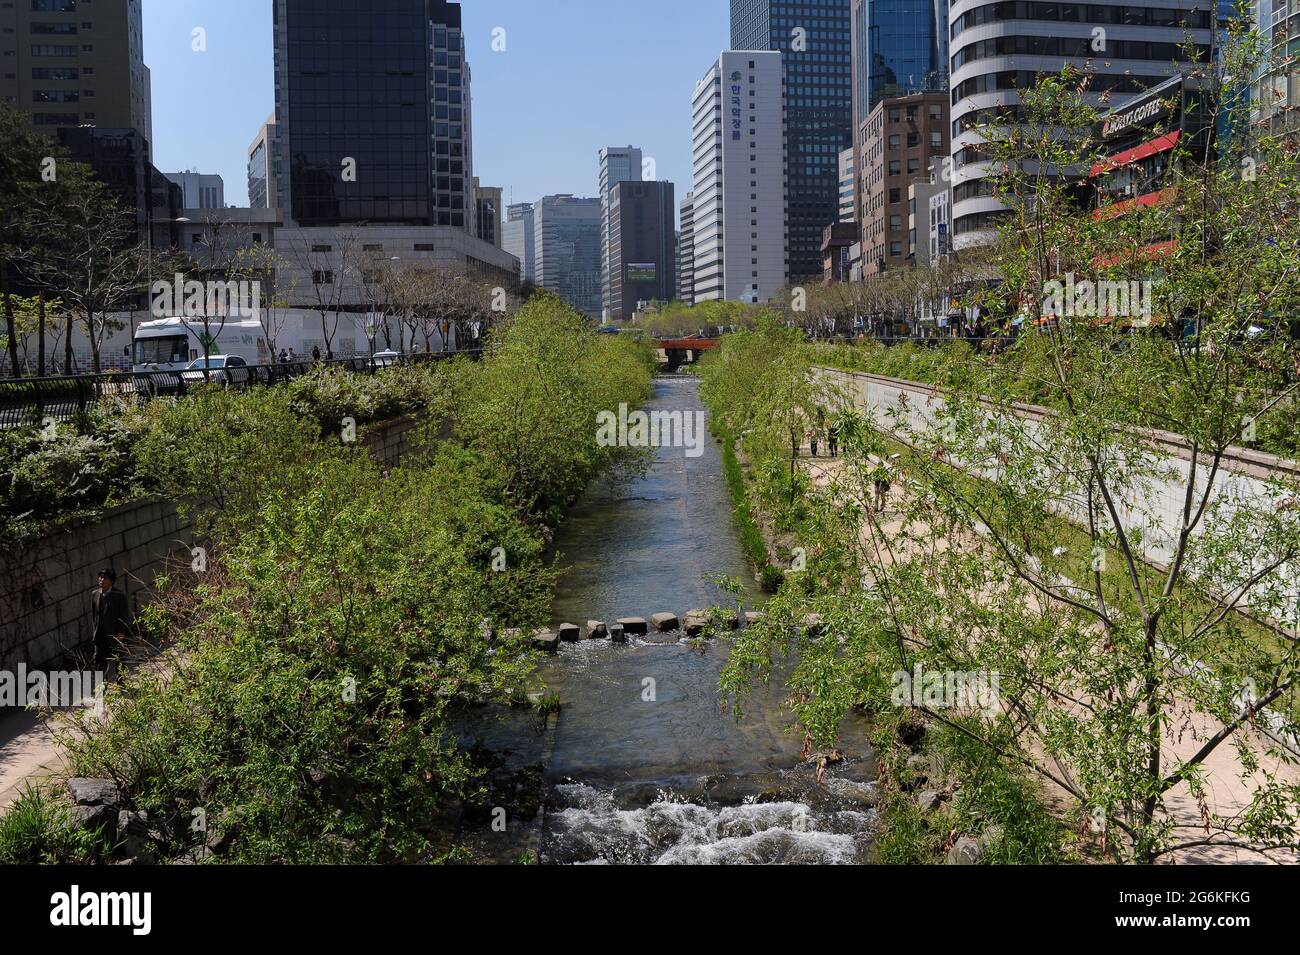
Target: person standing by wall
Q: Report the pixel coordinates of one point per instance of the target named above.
(108, 618)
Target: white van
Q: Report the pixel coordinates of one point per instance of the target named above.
(170, 344)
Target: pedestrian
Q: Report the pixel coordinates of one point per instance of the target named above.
(315, 353)
(880, 480)
(108, 617)
(293, 359)
(284, 357)
(812, 441)
(833, 439)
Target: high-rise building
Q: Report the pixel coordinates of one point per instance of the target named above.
(517, 238)
(487, 213)
(739, 233)
(1275, 99)
(900, 138)
(899, 47)
(998, 48)
(200, 190)
(848, 187)
(617, 164)
(813, 37)
(643, 246)
(264, 167)
(373, 105)
(686, 271)
(566, 250)
(69, 64)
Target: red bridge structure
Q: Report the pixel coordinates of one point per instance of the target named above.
(680, 351)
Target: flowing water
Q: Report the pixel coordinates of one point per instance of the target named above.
(644, 761)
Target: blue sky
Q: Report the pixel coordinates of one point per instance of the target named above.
(575, 75)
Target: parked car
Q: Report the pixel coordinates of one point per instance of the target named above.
(224, 369)
(383, 359)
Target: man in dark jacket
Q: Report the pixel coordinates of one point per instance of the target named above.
(108, 618)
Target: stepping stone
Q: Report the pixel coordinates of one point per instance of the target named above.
(665, 622)
(814, 624)
(617, 634)
(569, 632)
(634, 625)
(694, 622)
(546, 640)
(596, 630)
(753, 616)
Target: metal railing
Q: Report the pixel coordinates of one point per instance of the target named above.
(63, 397)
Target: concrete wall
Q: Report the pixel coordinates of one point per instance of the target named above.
(45, 588)
(1244, 475)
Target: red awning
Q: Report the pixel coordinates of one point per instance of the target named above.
(1167, 247)
(1158, 145)
(1149, 199)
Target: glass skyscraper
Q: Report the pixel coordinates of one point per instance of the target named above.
(813, 37)
(899, 46)
(373, 101)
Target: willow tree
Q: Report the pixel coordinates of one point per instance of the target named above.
(1107, 557)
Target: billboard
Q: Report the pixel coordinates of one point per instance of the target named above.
(642, 271)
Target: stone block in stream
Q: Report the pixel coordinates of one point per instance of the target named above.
(752, 617)
(635, 626)
(814, 624)
(665, 622)
(596, 630)
(617, 634)
(569, 632)
(546, 640)
(694, 622)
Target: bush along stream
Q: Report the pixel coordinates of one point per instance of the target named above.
(824, 640)
(302, 708)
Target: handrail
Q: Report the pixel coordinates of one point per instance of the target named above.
(60, 397)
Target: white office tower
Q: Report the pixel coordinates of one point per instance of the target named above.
(739, 161)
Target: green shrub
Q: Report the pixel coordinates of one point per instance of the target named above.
(38, 830)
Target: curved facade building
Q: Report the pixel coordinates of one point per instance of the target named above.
(997, 48)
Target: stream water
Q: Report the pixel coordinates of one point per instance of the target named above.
(644, 761)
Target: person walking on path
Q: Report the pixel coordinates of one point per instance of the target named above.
(812, 441)
(315, 353)
(108, 618)
(833, 439)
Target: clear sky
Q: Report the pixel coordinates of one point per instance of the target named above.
(575, 75)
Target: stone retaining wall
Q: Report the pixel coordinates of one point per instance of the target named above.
(45, 587)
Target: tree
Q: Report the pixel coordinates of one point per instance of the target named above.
(1131, 645)
(93, 258)
(333, 269)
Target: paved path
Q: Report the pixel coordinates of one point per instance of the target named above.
(28, 753)
(1227, 792)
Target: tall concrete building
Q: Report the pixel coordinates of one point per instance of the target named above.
(739, 231)
(643, 246)
(848, 186)
(686, 270)
(517, 238)
(900, 138)
(70, 63)
(617, 164)
(566, 250)
(997, 48)
(264, 167)
(1275, 98)
(813, 37)
(373, 104)
(200, 190)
